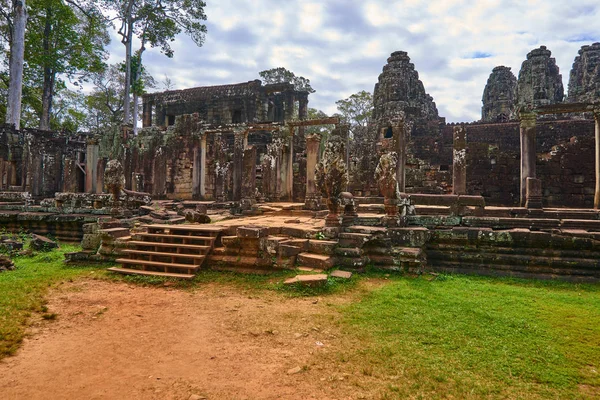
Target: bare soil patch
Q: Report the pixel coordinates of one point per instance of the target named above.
(121, 341)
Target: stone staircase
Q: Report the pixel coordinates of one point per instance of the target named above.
(175, 251)
(516, 252)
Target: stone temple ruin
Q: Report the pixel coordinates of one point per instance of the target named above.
(516, 193)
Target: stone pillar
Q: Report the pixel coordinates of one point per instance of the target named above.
(203, 166)
(289, 187)
(196, 173)
(147, 114)
(69, 175)
(238, 159)
(100, 175)
(459, 160)
(528, 151)
(534, 193)
(312, 201)
(249, 178)
(597, 191)
(399, 133)
(303, 108)
(91, 166)
(289, 107)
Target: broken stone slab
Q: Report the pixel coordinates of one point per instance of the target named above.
(341, 274)
(42, 243)
(307, 280)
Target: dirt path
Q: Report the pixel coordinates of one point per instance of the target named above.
(118, 341)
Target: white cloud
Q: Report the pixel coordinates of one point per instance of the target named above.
(342, 45)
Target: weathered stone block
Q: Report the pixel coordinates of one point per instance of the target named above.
(252, 232)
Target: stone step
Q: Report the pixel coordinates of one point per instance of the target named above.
(353, 239)
(523, 251)
(371, 208)
(585, 224)
(515, 271)
(162, 254)
(286, 250)
(536, 262)
(201, 249)
(533, 224)
(130, 271)
(157, 264)
(369, 220)
(368, 230)
(325, 247)
(164, 236)
(348, 252)
(115, 232)
(314, 260)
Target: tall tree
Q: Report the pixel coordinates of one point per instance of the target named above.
(357, 110)
(17, 22)
(282, 75)
(156, 23)
(66, 41)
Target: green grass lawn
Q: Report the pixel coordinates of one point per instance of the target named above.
(443, 337)
(470, 337)
(22, 292)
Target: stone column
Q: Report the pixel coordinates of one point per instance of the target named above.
(528, 151)
(100, 175)
(147, 114)
(238, 159)
(91, 166)
(289, 187)
(196, 160)
(69, 175)
(312, 201)
(399, 133)
(249, 178)
(459, 160)
(597, 191)
(303, 107)
(534, 193)
(203, 166)
(289, 107)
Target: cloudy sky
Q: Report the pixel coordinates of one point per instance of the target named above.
(342, 45)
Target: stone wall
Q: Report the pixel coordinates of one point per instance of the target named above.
(565, 162)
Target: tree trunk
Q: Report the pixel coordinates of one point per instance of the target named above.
(135, 113)
(138, 76)
(127, 96)
(17, 53)
(48, 86)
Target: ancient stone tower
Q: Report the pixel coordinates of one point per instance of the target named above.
(584, 81)
(400, 89)
(499, 95)
(540, 81)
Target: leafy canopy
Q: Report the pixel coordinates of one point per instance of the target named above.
(282, 75)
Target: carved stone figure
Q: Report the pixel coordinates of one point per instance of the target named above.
(540, 81)
(332, 177)
(584, 81)
(114, 178)
(499, 96)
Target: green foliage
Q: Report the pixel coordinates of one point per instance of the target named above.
(282, 75)
(357, 111)
(157, 22)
